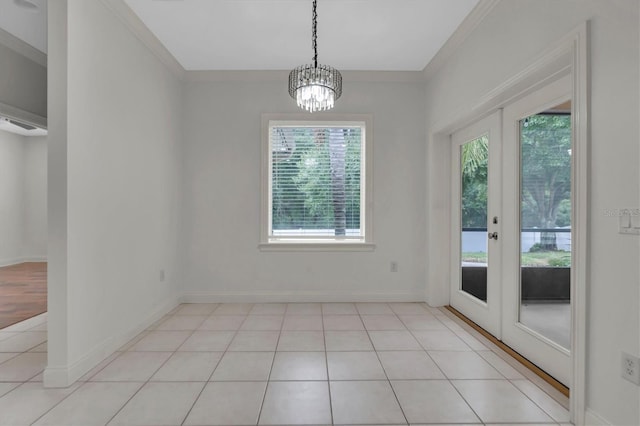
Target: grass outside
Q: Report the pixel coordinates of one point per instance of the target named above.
(542, 258)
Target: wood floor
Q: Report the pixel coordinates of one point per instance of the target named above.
(23, 292)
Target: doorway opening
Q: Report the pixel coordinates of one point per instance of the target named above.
(23, 222)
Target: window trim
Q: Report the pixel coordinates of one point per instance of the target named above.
(315, 243)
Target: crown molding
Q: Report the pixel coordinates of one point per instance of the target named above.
(23, 48)
(120, 9)
(468, 25)
(283, 75)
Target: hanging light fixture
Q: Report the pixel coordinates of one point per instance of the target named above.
(315, 87)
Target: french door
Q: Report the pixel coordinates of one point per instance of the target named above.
(512, 213)
(475, 213)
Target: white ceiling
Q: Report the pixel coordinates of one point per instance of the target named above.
(25, 22)
(379, 35)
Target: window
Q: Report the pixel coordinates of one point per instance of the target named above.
(316, 182)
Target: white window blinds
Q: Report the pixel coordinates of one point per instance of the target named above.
(316, 183)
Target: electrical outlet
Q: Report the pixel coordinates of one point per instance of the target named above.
(630, 368)
(394, 266)
(161, 275)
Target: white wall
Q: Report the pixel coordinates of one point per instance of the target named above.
(501, 46)
(11, 198)
(35, 201)
(119, 177)
(23, 198)
(221, 198)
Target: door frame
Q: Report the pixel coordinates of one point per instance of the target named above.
(569, 55)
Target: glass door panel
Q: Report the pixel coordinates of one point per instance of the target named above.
(545, 223)
(474, 160)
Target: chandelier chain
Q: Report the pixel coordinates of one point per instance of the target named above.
(315, 34)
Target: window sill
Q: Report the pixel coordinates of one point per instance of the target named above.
(316, 246)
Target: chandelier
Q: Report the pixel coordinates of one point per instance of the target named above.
(315, 87)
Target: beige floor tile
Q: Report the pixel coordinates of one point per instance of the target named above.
(302, 323)
(373, 308)
(393, 341)
(188, 367)
(268, 309)
(440, 340)
(464, 365)
(382, 322)
(354, 366)
(26, 403)
(133, 341)
(243, 366)
(471, 341)
(181, 323)
(255, 341)
(299, 366)
(159, 404)
(23, 341)
(544, 401)
(4, 335)
(422, 322)
(263, 322)
(228, 403)
(5, 387)
(364, 402)
(301, 341)
(132, 367)
(196, 309)
(342, 322)
(89, 374)
(23, 367)
(339, 309)
(208, 341)
(426, 401)
(296, 403)
(498, 401)
(408, 308)
(5, 356)
(92, 404)
(233, 309)
(161, 341)
(405, 365)
(222, 323)
(40, 348)
(304, 309)
(501, 365)
(347, 341)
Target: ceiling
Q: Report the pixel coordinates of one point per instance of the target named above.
(376, 35)
(380, 35)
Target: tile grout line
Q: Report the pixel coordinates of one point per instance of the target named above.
(406, 420)
(326, 362)
(273, 360)
(214, 368)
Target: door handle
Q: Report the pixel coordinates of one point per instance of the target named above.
(493, 236)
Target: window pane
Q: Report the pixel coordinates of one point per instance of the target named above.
(316, 181)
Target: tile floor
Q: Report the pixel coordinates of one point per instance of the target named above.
(283, 364)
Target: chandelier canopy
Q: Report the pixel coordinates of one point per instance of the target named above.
(315, 87)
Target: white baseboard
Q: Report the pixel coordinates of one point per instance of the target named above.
(17, 260)
(298, 296)
(64, 376)
(594, 419)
